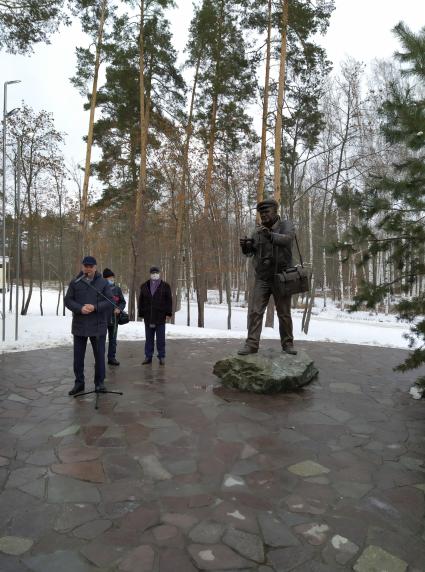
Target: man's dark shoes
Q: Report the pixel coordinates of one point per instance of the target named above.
(113, 361)
(100, 388)
(246, 350)
(146, 361)
(161, 361)
(289, 349)
(78, 388)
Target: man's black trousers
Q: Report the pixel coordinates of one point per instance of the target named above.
(98, 346)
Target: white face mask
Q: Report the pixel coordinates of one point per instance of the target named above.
(155, 276)
(111, 281)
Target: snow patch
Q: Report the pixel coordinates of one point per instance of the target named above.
(338, 541)
(207, 555)
(230, 481)
(416, 392)
(237, 515)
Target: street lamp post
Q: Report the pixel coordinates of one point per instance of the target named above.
(5, 114)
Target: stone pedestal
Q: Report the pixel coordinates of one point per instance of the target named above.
(269, 371)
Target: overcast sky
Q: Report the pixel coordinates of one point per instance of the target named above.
(358, 28)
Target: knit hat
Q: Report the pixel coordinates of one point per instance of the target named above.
(107, 272)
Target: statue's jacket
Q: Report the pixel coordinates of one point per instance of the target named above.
(271, 256)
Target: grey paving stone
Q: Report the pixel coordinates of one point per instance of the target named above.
(340, 549)
(182, 467)
(375, 558)
(63, 489)
(351, 489)
(216, 557)
(153, 469)
(104, 555)
(248, 545)
(63, 560)
(184, 521)
(284, 559)
(207, 532)
(24, 476)
(275, 532)
(173, 559)
(15, 545)
(141, 559)
(308, 468)
(92, 529)
(245, 467)
(35, 488)
(73, 515)
(166, 435)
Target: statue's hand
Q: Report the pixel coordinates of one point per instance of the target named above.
(246, 244)
(265, 231)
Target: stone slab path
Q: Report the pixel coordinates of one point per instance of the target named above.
(180, 475)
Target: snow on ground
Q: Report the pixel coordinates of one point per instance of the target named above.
(36, 332)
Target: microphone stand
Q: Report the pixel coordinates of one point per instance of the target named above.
(95, 391)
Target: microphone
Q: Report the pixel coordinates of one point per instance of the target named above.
(83, 276)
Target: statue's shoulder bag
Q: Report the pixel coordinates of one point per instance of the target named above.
(293, 280)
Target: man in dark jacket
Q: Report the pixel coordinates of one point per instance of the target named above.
(155, 305)
(271, 248)
(119, 300)
(91, 313)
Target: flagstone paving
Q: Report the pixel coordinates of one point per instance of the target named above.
(181, 475)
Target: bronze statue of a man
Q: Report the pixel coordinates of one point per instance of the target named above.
(270, 246)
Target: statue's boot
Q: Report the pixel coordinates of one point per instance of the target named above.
(246, 350)
(289, 349)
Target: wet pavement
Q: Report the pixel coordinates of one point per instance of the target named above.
(180, 475)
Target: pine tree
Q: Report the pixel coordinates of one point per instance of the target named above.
(27, 22)
(227, 83)
(393, 206)
(93, 15)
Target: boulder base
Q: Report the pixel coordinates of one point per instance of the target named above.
(269, 371)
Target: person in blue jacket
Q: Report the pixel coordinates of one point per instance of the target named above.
(90, 316)
(119, 300)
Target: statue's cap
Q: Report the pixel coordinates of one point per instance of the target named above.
(267, 203)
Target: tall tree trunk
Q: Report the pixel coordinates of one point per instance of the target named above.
(175, 269)
(25, 306)
(278, 133)
(325, 275)
(310, 230)
(260, 187)
(137, 239)
(40, 269)
(340, 268)
(280, 97)
(87, 166)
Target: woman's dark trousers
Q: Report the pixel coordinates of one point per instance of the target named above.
(98, 346)
(112, 341)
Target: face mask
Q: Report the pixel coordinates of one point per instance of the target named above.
(111, 281)
(155, 276)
